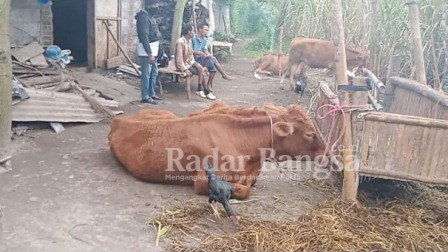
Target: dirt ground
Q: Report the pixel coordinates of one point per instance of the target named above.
(66, 192)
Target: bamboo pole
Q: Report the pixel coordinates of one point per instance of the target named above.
(373, 36)
(392, 70)
(350, 187)
(177, 23)
(408, 120)
(417, 50)
(416, 87)
(5, 78)
(280, 52)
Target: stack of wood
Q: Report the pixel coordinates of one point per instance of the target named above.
(54, 94)
(32, 69)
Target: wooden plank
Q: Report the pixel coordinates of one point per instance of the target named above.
(41, 80)
(440, 141)
(431, 137)
(39, 61)
(127, 69)
(365, 144)
(91, 35)
(114, 62)
(415, 133)
(391, 146)
(31, 50)
(374, 145)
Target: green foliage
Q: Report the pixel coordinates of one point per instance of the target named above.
(311, 18)
(254, 19)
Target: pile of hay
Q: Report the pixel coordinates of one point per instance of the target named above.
(333, 226)
(338, 226)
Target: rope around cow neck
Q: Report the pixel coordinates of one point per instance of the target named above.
(272, 134)
(273, 159)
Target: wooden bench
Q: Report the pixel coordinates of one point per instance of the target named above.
(171, 70)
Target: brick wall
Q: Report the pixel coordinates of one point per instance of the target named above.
(30, 22)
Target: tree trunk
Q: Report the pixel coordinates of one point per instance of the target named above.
(350, 186)
(5, 78)
(417, 47)
(177, 23)
(193, 14)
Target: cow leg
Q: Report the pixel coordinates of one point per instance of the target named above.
(282, 81)
(200, 185)
(294, 71)
(241, 192)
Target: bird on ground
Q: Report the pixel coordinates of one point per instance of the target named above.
(219, 191)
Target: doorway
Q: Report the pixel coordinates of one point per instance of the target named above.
(70, 28)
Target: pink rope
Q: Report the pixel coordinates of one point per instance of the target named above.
(334, 111)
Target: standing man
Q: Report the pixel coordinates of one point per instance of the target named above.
(204, 57)
(184, 61)
(149, 37)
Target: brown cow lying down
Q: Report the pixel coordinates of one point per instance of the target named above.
(318, 53)
(269, 64)
(157, 146)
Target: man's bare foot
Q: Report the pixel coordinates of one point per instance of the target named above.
(228, 77)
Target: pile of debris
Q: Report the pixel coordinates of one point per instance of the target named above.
(45, 91)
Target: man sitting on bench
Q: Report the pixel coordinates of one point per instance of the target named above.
(185, 63)
(204, 57)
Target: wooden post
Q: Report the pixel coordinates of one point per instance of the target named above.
(350, 187)
(417, 50)
(188, 87)
(280, 52)
(177, 23)
(393, 70)
(373, 36)
(5, 79)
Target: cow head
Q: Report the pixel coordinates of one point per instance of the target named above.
(357, 58)
(295, 135)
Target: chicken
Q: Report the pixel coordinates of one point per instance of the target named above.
(219, 191)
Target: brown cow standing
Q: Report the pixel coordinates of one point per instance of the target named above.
(318, 53)
(164, 149)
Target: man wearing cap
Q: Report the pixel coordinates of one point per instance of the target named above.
(149, 37)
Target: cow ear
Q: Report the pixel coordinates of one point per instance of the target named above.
(283, 129)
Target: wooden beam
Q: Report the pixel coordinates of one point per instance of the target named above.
(280, 52)
(373, 35)
(177, 23)
(121, 48)
(392, 70)
(417, 47)
(91, 35)
(350, 186)
(5, 78)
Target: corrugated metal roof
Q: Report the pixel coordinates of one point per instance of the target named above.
(50, 106)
